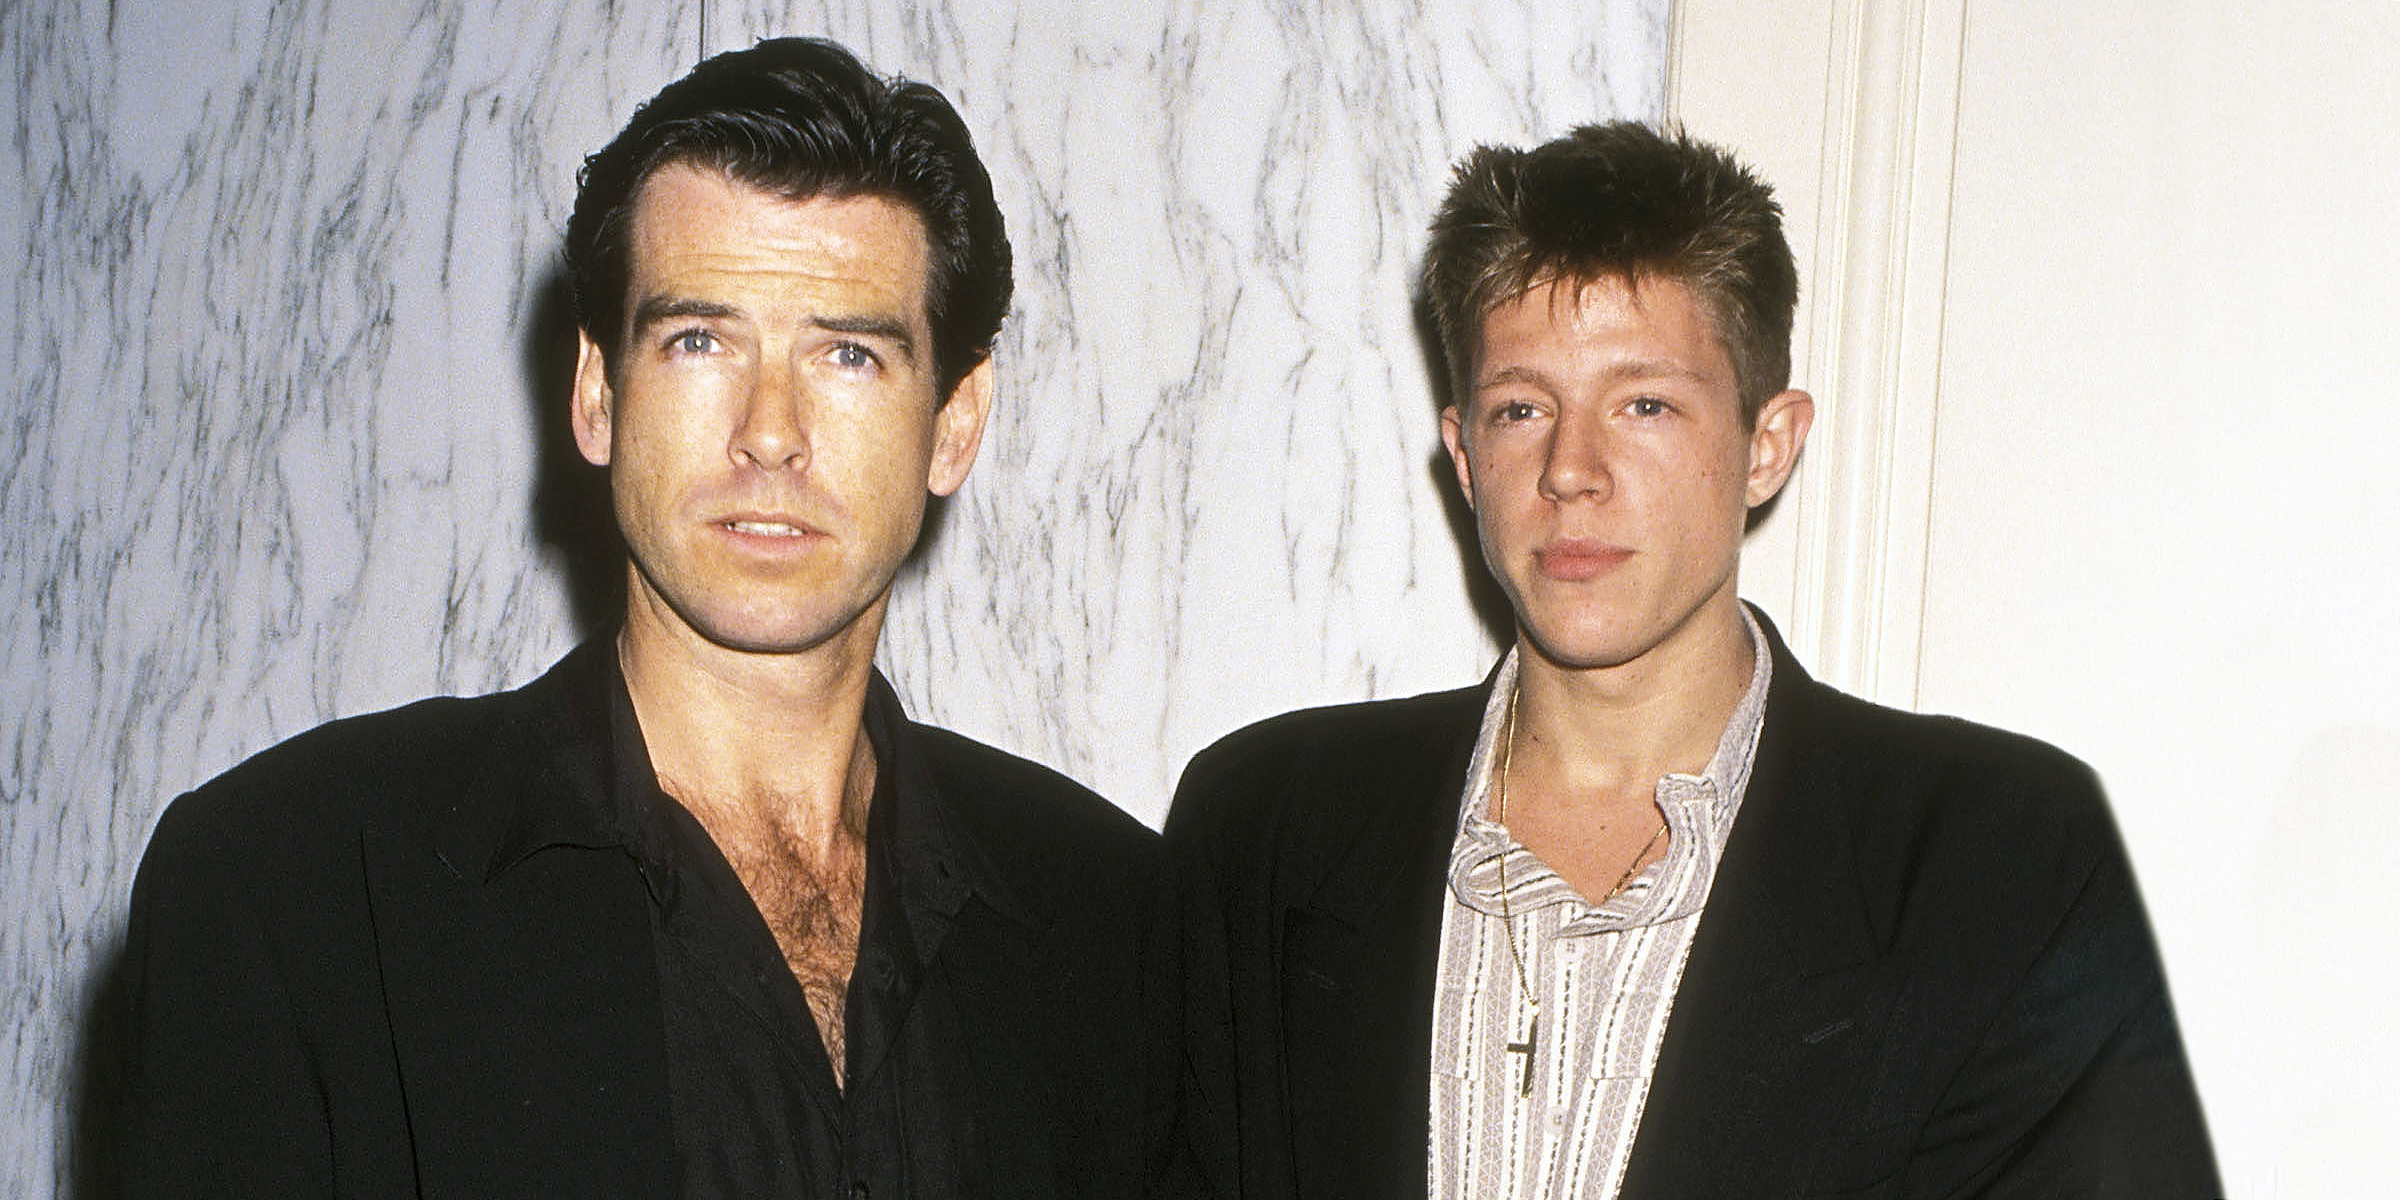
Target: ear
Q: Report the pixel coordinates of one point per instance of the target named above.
(1454, 439)
(958, 430)
(1775, 442)
(592, 411)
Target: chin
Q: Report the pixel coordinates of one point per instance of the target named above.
(1594, 641)
(772, 639)
(753, 616)
(766, 632)
(1583, 656)
(1603, 643)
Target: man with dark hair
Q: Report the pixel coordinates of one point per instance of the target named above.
(1650, 913)
(700, 912)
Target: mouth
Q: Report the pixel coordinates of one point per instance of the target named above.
(764, 528)
(768, 532)
(1574, 560)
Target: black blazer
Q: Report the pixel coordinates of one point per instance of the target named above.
(337, 989)
(1923, 970)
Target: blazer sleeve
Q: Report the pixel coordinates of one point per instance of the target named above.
(257, 1061)
(218, 1098)
(1203, 1156)
(1307, 853)
(2081, 1078)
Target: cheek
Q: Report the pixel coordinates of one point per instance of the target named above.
(1488, 487)
(1726, 472)
(1505, 467)
(674, 431)
(636, 495)
(650, 471)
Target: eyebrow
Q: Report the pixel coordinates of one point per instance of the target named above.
(658, 310)
(889, 329)
(1510, 375)
(661, 310)
(1638, 368)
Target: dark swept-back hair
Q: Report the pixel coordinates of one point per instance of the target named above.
(803, 118)
(1618, 201)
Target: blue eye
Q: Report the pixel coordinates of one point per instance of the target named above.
(852, 356)
(692, 341)
(1649, 406)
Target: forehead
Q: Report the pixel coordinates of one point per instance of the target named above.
(1645, 322)
(696, 226)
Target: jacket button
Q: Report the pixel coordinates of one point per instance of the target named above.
(858, 1191)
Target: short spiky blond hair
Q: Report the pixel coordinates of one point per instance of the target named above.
(1621, 201)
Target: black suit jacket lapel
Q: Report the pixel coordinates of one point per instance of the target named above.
(522, 996)
(1361, 944)
(1784, 994)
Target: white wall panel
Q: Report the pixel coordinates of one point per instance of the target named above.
(2163, 528)
(2157, 526)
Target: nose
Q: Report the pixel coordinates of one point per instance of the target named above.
(1575, 464)
(772, 433)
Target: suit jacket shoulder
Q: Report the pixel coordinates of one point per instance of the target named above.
(1339, 738)
(332, 992)
(1924, 969)
(1307, 854)
(1919, 759)
(1901, 788)
(423, 766)
(1296, 790)
(302, 799)
(1052, 826)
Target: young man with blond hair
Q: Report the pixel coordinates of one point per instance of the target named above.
(1650, 913)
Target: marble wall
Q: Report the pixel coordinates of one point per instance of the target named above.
(282, 435)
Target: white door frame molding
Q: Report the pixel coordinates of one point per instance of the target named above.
(1850, 108)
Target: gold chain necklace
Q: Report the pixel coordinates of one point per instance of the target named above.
(1508, 919)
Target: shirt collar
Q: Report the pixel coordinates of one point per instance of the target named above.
(1699, 812)
(934, 862)
(603, 792)
(549, 764)
(599, 791)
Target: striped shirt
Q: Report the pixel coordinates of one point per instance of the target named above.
(1605, 976)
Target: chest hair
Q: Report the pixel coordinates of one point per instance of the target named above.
(814, 907)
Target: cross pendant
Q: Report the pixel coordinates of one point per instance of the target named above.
(1533, 1037)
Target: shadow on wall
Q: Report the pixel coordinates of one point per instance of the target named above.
(97, 1046)
(572, 515)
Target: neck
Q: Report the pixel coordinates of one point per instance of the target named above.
(1613, 731)
(756, 742)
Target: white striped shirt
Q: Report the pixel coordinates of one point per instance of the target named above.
(1605, 976)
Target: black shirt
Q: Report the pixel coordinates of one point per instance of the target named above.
(755, 1107)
